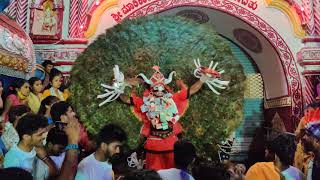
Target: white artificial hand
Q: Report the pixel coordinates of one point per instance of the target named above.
(134, 162)
(117, 88)
(208, 77)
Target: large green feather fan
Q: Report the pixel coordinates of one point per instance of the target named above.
(171, 43)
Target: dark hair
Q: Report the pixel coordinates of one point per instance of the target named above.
(110, 133)
(313, 105)
(46, 63)
(53, 73)
(143, 175)
(18, 110)
(120, 164)
(208, 171)
(32, 81)
(184, 153)
(30, 123)
(47, 102)
(58, 109)
(57, 136)
(270, 156)
(16, 84)
(14, 173)
(284, 147)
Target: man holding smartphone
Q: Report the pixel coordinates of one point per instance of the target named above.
(61, 114)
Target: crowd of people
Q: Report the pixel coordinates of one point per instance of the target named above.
(43, 138)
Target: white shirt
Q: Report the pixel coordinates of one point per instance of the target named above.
(16, 157)
(92, 169)
(174, 174)
(58, 160)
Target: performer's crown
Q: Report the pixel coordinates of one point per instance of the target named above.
(157, 77)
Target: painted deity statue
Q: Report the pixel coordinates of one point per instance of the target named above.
(49, 19)
(160, 109)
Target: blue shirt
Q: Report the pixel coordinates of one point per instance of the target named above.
(16, 157)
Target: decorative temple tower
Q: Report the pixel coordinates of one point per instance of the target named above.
(309, 55)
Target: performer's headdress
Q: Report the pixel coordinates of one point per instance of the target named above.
(157, 78)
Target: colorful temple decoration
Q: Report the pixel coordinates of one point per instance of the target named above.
(17, 56)
(46, 21)
(78, 18)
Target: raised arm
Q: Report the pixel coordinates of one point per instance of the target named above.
(70, 163)
(43, 156)
(133, 82)
(195, 87)
(125, 98)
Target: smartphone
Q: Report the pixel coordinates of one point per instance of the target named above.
(60, 125)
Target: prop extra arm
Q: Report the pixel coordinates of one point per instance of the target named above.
(210, 76)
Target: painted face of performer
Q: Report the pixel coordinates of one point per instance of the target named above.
(158, 90)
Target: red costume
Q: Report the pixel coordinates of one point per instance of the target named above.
(159, 143)
(159, 110)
